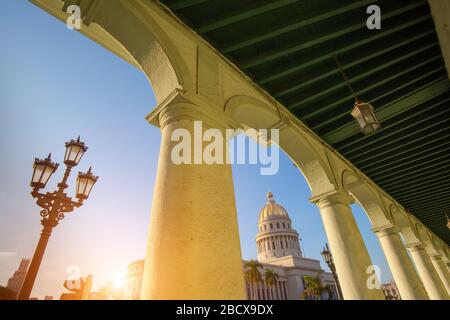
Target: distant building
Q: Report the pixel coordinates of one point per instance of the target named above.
(390, 291)
(48, 298)
(133, 284)
(16, 281)
(278, 249)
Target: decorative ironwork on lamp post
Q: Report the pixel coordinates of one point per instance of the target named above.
(328, 257)
(55, 204)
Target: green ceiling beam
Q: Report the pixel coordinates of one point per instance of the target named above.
(366, 74)
(433, 217)
(411, 194)
(421, 205)
(444, 159)
(384, 142)
(273, 33)
(242, 14)
(401, 164)
(318, 111)
(434, 208)
(420, 185)
(429, 214)
(409, 163)
(413, 176)
(431, 197)
(276, 75)
(408, 180)
(295, 46)
(431, 151)
(423, 142)
(408, 152)
(367, 57)
(351, 128)
(386, 111)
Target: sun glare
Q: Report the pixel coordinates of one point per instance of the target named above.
(118, 280)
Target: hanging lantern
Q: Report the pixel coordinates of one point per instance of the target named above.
(363, 112)
(365, 116)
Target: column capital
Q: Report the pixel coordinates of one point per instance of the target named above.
(435, 256)
(181, 106)
(416, 246)
(337, 197)
(385, 230)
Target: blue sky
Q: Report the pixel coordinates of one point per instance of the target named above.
(56, 84)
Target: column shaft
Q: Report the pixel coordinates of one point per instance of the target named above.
(441, 270)
(193, 249)
(349, 252)
(430, 278)
(402, 268)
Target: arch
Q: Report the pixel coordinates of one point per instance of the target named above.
(249, 112)
(404, 224)
(427, 239)
(157, 56)
(368, 198)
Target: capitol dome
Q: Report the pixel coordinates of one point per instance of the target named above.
(276, 237)
(272, 210)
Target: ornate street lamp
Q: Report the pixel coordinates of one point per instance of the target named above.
(328, 257)
(55, 204)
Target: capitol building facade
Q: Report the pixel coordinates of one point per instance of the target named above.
(278, 249)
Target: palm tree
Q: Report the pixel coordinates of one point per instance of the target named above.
(270, 279)
(313, 286)
(252, 275)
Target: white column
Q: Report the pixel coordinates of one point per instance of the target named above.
(430, 278)
(402, 268)
(283, 294)
(193, 249)
(441, 269)
(347, 246)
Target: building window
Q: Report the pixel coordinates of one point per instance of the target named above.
(281, 243)
(271, 227)
(284, 225)
(273, 245)
(278, 225)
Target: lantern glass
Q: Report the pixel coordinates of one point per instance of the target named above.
(326, 256)
(85, 182)
(365, 116)
(42, 171)
(74, 151)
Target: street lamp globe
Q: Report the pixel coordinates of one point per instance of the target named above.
(74, 151)
(85, 182)
(365, 116)
(42, 171)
